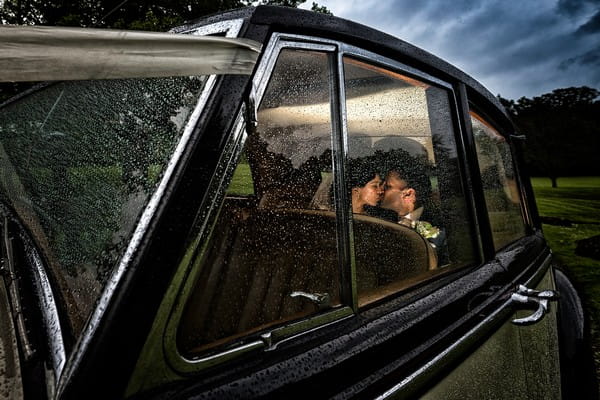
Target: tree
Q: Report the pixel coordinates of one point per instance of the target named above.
(156, 15)
(320, 9)
(562, 130)
(293, 3)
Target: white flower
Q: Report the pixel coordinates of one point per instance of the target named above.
(427, 230)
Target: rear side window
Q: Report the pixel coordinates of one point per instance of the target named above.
(410, 218)
(499, 183)
(272, 256)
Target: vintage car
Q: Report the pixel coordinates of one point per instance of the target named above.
(176, 234)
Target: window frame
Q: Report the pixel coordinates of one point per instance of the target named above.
(186, 274)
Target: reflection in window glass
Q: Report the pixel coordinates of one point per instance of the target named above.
(410, 215)
(241, 182)
(79, 162)
(273, 246)
(499, 183)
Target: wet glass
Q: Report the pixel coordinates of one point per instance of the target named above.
(80, 161)
(401, 129)
(499, 183)
(272, 254)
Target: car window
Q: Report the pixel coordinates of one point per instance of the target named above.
(80, 161)
(272, 254)
(499, 183)
(410, 218)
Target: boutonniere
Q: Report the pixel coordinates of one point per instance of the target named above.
(427, 230)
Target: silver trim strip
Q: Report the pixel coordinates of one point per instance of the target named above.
(462, 342)
(278, 336)
(231, 28)
(49, 314)
(278, 43)
(136, 239)
(219, 358)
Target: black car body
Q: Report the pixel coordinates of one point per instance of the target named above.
(193, 237)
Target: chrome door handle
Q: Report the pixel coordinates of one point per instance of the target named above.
(540, 294)
(537, 299)
(322, 300)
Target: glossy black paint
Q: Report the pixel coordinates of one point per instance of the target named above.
(578, 373)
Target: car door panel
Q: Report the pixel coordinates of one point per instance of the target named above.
(492, 371)
(540, 349)
(499, 369)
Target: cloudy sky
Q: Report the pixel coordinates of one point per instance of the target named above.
(514, 48)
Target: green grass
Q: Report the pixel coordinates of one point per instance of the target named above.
(571, 182)
(577, 200)
(241, 182)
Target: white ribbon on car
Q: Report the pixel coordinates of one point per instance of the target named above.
(43, 53)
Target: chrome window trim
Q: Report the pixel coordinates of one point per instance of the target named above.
(49, 312)
(144, 222)
(278, 43)
(277, 336)
(231, 28)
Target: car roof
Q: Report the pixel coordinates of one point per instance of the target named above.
(305, 22)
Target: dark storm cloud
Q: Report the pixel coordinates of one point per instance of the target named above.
(591, 58)
(516, 49)
(592, 26)
(574, 7)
